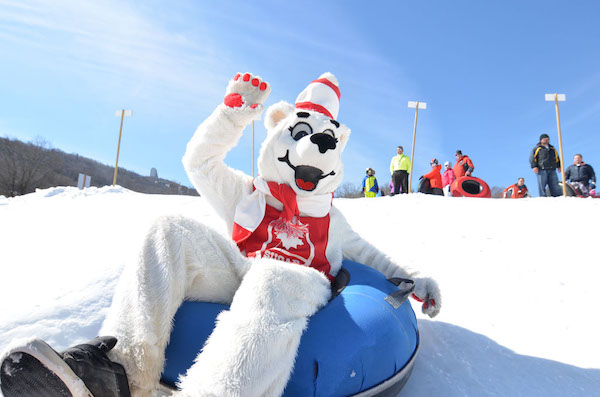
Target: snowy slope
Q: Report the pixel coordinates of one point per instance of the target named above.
(518, 279)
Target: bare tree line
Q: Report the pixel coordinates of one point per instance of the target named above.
(25, 167)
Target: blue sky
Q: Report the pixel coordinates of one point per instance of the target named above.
(482, 67)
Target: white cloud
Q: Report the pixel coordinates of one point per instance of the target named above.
(110, 38)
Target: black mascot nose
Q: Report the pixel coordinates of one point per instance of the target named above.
(323, 141)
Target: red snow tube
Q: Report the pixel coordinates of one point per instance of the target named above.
(513, 192)
(469, 186)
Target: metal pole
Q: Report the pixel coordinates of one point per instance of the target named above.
(562, 165)
(412, 156)
(252, 148)
(118, 148)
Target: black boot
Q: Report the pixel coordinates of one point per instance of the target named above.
(35, 369)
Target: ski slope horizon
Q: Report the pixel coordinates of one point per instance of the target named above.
(518, 278)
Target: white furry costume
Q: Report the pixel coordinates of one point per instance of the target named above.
(251, 351)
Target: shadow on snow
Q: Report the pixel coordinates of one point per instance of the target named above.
(454, 361)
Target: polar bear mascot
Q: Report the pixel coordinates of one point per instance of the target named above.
(287, 245)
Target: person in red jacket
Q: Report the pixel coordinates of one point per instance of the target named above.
(464, 166)
(518, 190)
(435, 179)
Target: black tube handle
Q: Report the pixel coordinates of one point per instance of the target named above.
(396, 299)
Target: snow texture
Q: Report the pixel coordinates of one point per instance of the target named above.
(519, 278)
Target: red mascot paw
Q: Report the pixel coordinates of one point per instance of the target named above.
(233, 100)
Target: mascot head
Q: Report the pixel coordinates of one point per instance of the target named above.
(304, 142)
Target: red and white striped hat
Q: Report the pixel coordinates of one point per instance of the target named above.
(322, 95)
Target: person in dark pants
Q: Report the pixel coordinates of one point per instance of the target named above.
(399, 169)
(579, 175)
(435, 179)
(544, 161)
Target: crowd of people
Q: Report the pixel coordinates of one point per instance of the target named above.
(434, 182)
(544, 161)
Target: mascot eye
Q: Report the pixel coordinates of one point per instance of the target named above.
(300, 130)
(330, 132)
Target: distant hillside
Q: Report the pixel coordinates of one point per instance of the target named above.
(27, 166)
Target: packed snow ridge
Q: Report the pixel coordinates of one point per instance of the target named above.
(518, 278)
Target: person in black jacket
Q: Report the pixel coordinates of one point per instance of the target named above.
(544, 161)
(579, 175)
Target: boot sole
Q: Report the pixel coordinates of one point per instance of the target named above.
(35, 369)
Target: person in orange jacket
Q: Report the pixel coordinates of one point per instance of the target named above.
(463, 166)
(435, 179)
(517, 190)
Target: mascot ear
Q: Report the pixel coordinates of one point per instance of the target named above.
(344, 135)
(276, 113)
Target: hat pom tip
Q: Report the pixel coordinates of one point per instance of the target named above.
(329, 76)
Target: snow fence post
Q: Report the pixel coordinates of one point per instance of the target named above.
(121, 113)
(556, 98)
(416, 105)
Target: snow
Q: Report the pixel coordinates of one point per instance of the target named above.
(518, 277)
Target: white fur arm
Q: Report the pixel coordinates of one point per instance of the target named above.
(204, 163)
(204, 158)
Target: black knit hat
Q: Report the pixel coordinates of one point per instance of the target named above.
(544, 136)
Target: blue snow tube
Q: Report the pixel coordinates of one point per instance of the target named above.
(364, 342)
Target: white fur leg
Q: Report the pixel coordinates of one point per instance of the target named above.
(137, 392)
(180, 258)
(252, 349)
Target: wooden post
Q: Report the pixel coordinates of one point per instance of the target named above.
(562, 163)
(412, 156)
(118, 148)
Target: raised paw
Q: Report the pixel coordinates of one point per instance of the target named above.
(246, 90)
